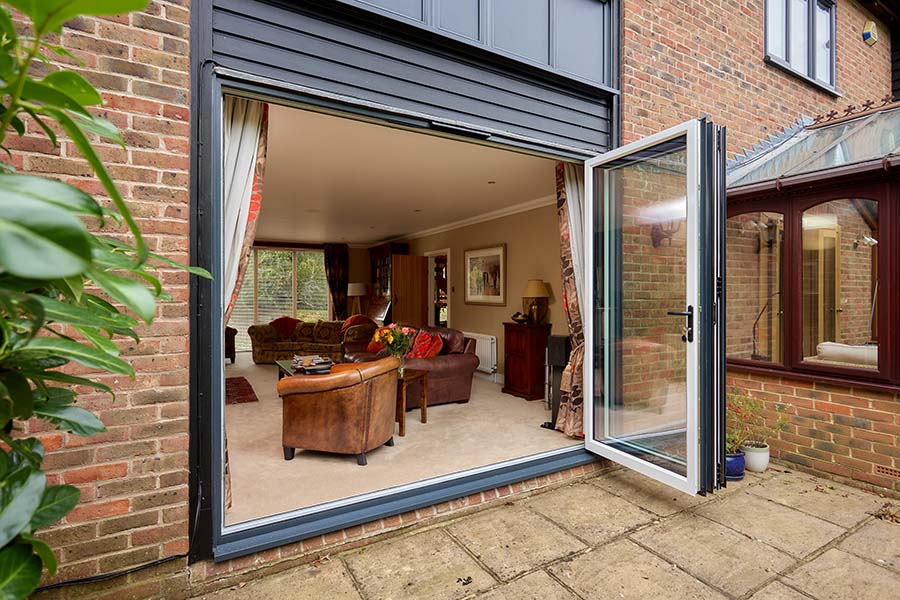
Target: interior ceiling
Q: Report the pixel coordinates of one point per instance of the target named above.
(332, 179)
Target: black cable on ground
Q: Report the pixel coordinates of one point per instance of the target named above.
(128, 571)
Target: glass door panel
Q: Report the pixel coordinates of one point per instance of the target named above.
(651, 318)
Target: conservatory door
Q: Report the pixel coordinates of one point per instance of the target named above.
(654, 359)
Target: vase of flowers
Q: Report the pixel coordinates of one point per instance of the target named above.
(397, 339)
(747, 432)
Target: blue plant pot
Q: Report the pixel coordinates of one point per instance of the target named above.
(734, 466)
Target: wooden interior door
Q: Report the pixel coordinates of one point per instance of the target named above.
(409, 294)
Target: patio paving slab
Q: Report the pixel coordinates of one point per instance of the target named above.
(534, 586)
(825, 499)
(778, 591)
(327, 580)
(592, 514)
(646, 493)
(787, 529)
(512, 540)
(424, 565)
(878, 541)
(715, 554)
(624, 570)
(837, 575)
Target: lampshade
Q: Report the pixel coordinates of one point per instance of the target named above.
(535, 289)
(356, 289)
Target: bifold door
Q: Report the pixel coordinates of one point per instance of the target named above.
(654, 358)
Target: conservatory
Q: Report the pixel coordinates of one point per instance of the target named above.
(812, 247)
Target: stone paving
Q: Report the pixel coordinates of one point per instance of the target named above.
(778, 536)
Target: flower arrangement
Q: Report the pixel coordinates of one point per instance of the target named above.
(397, 339)
(745, 423)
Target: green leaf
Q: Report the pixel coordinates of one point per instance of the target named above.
(71, 287)
(91, 316)
(72, 350)
(40, 240)
(102, 342)
(20, 572)
(84, 146)
(19, 391)
(42, 549)
(37, 119)
(49, 15)
(7, 28)
(56, 502)
(98, 126)
(53, 192)
(18, 125)
(66, 378)
(199, 271)
(21, 500)
(35, 91)
(70, 418)
(129, 292)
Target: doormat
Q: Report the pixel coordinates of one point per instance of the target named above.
(238, 391)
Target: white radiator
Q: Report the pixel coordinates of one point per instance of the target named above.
(486, 349)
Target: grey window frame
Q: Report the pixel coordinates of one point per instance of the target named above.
(808, 75)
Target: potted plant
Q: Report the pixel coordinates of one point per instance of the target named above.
(747, 432)
(396, 339)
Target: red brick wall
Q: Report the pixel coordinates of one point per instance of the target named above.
(845, 431)
(682, 60)
(134, 478)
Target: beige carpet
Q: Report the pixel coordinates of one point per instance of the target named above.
(492, 427)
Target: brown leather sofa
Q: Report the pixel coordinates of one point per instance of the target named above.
(348, 411)
(449, 374)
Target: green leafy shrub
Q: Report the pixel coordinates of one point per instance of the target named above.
(59, 280)
(746, 425)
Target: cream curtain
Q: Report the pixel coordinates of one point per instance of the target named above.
(243, 124)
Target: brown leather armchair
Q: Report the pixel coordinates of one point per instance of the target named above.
(449, 374)
(348, 411)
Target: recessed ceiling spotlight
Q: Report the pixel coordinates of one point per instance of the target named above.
(371, 227)
(418, 210)
(491, 182)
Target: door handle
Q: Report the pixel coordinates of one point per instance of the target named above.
(688, 335)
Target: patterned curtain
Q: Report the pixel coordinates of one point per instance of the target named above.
(337, 272)
(253, 210)
(570, 419)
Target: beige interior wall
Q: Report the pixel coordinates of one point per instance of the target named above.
(532, 252)
(360, 267)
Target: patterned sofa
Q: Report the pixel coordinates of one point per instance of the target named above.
(322, 338)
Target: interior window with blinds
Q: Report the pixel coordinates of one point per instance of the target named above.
(280, 282)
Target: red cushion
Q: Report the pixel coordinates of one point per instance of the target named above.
(355, 320)
(284, 326)
(424, 345)
(435, 348)
(375, 347)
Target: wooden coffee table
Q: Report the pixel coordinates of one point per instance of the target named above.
(403, 381)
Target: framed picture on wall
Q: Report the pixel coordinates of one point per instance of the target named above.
(486, 275)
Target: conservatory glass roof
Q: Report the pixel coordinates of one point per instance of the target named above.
(869, 137)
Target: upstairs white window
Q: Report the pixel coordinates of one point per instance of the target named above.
(800, 38)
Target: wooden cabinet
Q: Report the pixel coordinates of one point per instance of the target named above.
(403, 279)
(524, 350)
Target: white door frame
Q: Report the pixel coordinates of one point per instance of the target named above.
(689, 483)
(431, 291)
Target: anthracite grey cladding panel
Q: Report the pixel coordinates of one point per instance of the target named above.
(522, 27)
(462, 17)
(573, 37)
(303, 48)
(414, 9)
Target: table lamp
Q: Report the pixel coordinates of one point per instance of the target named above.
(535, 300)
(356, 291)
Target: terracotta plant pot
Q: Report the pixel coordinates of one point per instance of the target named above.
(756, 456)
